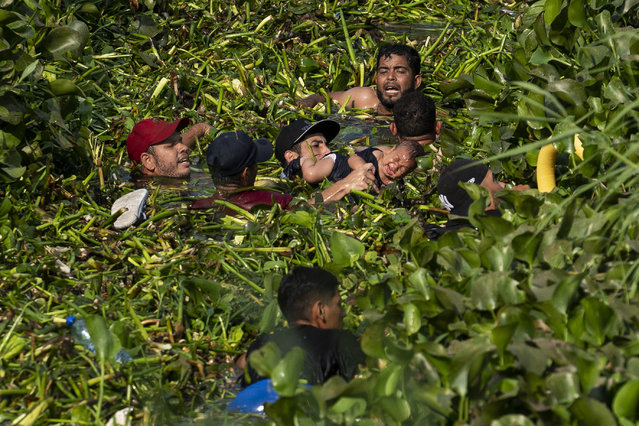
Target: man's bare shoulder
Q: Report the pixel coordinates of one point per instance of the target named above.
(357, 97)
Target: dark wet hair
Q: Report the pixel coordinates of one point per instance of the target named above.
(414, 114)
(399, 49)
(220, 180)
(300, 289)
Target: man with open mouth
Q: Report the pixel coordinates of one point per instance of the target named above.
(398, 73)
(160, 149)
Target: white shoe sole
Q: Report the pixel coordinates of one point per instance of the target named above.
(133, 203)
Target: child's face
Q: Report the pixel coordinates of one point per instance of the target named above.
(314, 145)
(396, 163)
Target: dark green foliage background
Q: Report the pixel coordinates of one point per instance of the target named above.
(531, 319)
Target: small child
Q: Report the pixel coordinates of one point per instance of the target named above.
(391, 162)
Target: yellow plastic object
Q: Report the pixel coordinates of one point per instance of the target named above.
(579, 148)
(546, 164)
(546, 168)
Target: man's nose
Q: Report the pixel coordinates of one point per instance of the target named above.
(181, 147)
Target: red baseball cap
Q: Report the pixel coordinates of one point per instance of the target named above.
(150, 132)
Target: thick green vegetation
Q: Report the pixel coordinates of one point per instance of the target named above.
(530, 319)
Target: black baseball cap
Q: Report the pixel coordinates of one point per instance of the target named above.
(298, 129)
(452, 196)
(232, 152)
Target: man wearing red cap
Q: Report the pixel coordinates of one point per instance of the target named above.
(159, 148)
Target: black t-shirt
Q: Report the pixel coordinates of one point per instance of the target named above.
(327, 352)
(341, 169)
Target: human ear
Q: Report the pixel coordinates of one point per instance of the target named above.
(393, 129)
(318, 315)
(290, 155)
(418, 81)
(147, 161)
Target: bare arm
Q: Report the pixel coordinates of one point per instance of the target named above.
(316, 171)
(520, 187)
(194, 132)
(310, 101)
(361, 179)
(357, 97)
(355, 162)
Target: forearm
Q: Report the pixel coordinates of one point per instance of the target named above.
(194, 132)
(314, 172)
(336, 191)
(310, 101)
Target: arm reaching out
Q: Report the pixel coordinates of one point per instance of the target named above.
(357, 97)
(194, 132)
(361, 179)
(316, 171)
(355, 162)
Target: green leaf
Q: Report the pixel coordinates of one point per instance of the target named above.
(12, 109)
(565, 292)
(63, 40)
(269, 317)
(568, 90)
(576, 13)
(209, 287)
(498, 258)
(532, 359)
(29, 69)
(355, 406)
(626, 402)
(308, 64)
(463, 83)
(345, 250)
(372, 341)
(483, 293)
(590, 412)
(551, 10)
(563, 387)
(412, 318)
(540, 30)
(512, 420)
(497, 227)
(62, 86)
(264, 359)
(419, 281)
(540, 56)
(502, 334)
(388, 380)
(106, 345)
(470, 355)
(398, 408)
(286, 373)
(298, 217)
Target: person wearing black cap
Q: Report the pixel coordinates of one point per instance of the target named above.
(302, 148)
(457, 201)
(232, 159)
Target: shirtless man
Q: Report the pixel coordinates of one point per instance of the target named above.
(398, 68)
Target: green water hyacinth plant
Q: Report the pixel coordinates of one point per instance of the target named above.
(527, 318)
